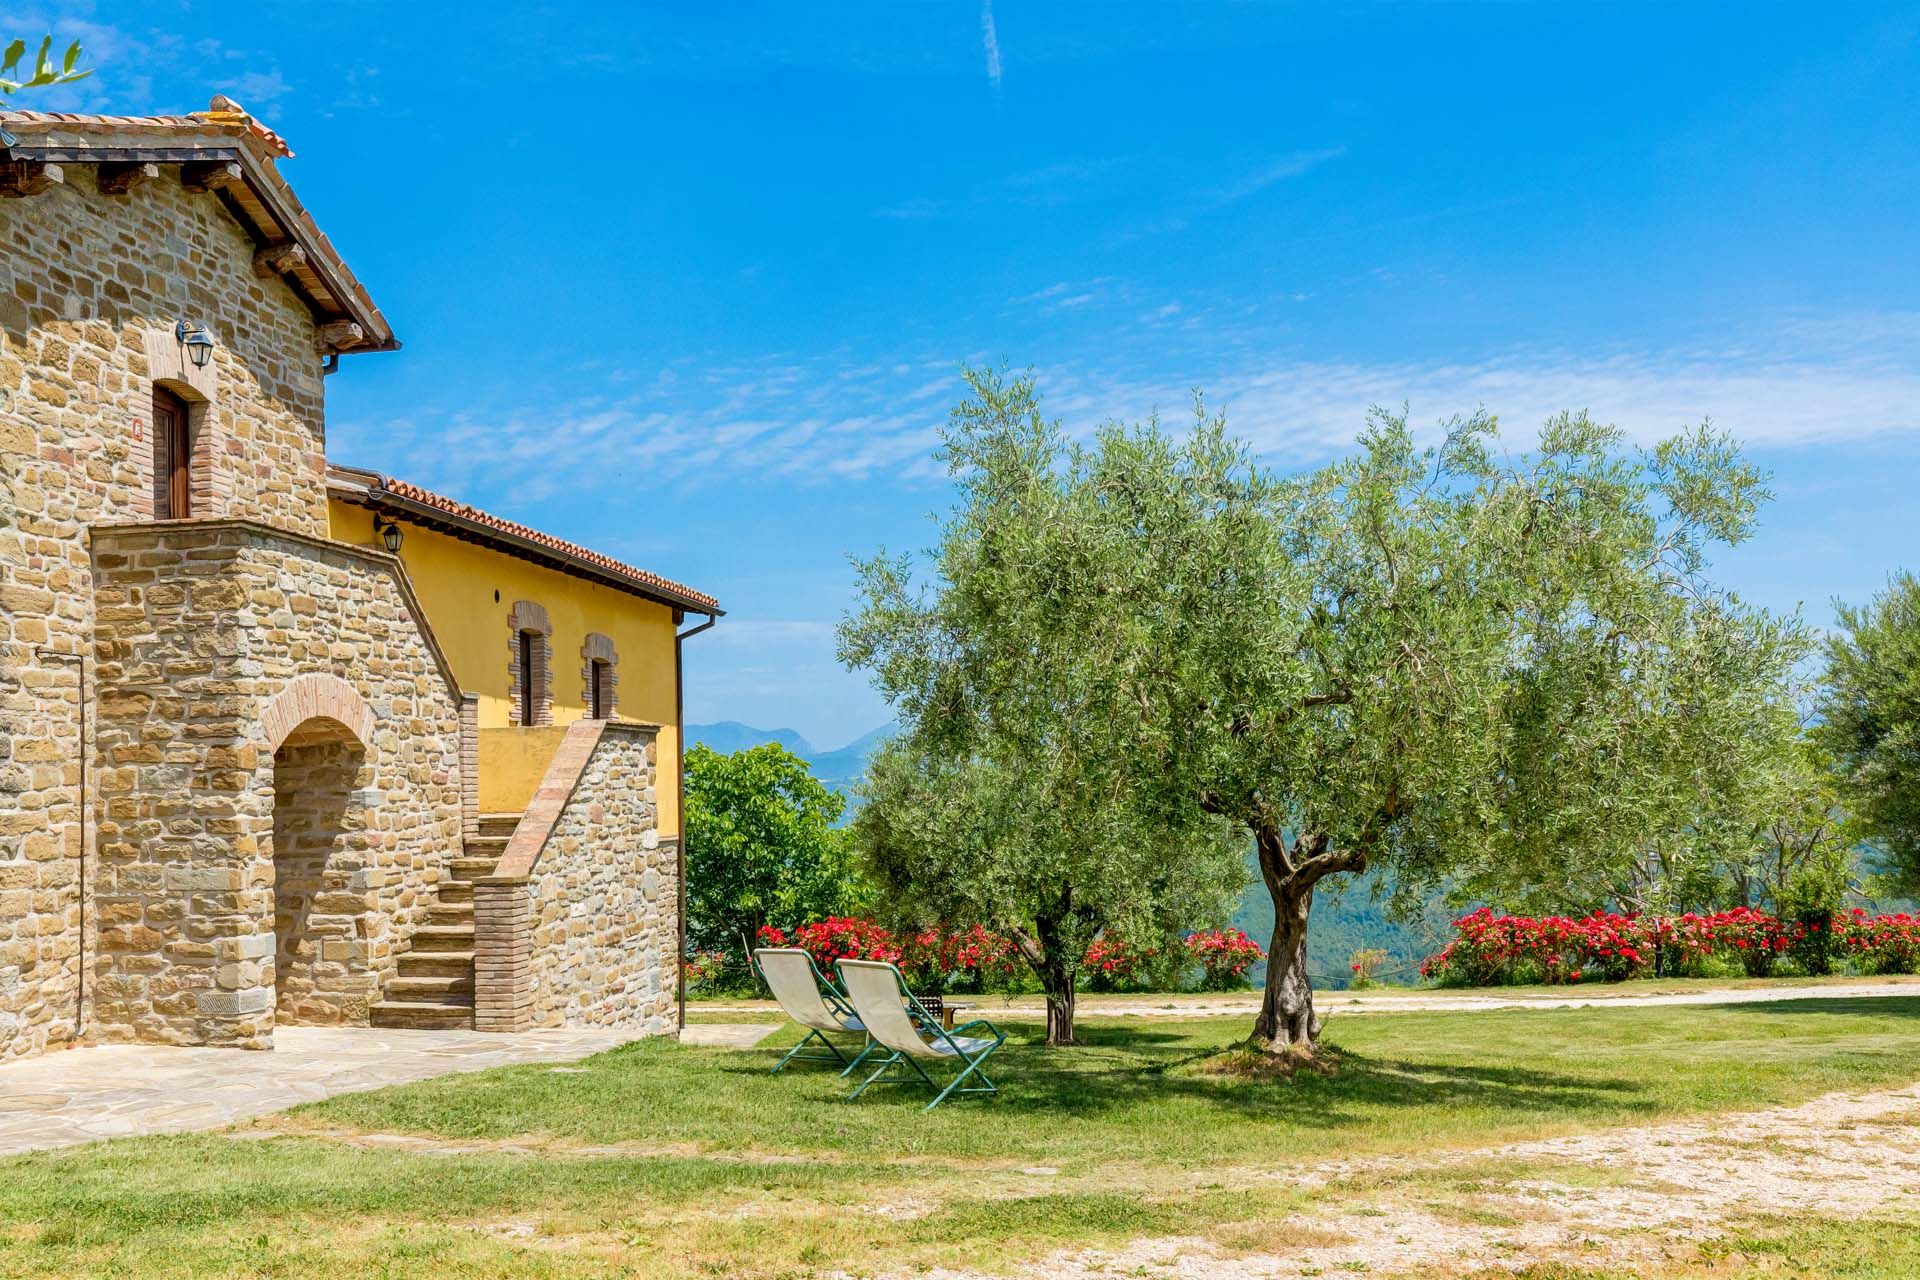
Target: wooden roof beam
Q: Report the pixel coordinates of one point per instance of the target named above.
(118, 177)
(210, 175)
(338, 335)
(28, 177)
(278, 259)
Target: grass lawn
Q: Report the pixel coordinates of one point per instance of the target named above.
(658, 1159)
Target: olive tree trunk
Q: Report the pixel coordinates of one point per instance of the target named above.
(1053, 961)
(1287, 1021)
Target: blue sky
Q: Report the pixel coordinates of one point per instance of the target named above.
(693, 285)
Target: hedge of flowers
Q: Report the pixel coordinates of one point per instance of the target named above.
(1490, 949)
(978, 958)
(1224, 956)
(1880, 944)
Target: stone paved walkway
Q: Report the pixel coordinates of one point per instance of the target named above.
(727, 1035)
(112, 1091)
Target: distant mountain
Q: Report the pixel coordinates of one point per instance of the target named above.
(843, 767)
(729, 736)
(1346, 917)
(839, 768)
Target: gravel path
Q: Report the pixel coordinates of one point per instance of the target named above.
(1343, 1002)
(1656, 1191)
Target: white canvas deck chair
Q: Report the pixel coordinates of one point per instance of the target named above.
(894, 1018)
(813, 1002)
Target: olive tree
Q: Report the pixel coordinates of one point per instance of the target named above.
(1429, 661)
(1871, 722)
(43, 72)
(1013, 794)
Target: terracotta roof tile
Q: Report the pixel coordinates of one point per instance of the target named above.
(237, 123)
(469, 514)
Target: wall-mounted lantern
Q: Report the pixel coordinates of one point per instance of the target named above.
(390, 535)
(197, 341)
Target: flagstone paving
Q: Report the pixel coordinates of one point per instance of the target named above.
(727, 1035)
(113, 1091)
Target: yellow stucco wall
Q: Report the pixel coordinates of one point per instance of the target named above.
(512, 762)
(458, 583)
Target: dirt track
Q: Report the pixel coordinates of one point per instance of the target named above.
(1618, 1197)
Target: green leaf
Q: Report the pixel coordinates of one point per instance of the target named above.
(12, 57)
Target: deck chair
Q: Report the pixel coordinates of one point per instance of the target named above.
(898, 1021)
(813, 1002)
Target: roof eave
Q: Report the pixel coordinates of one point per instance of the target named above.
(365, 488)
(349, 298)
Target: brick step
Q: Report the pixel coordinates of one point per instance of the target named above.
(432, 989)
(471, 869)
(416, 1015)
(443, 937)
(451, 913)
(499, 824)
(486, 846)
(436, 964)
(455, 891)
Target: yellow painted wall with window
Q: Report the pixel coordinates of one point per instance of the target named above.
(457, 583)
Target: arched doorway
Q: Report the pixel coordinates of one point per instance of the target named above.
(319, 858)
(320, 730)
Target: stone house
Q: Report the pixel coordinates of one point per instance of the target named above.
(285, 742)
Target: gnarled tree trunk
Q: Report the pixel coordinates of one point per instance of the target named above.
(1048, 955)
(1287, 1023)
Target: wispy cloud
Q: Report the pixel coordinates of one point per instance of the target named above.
(839, 420)
(1063, 295)
(129, 62)
(780, 632)
(990, 38)
(255, 89)
(1296, 165)
(1232, 191)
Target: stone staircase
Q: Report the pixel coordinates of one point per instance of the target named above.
(434, 987)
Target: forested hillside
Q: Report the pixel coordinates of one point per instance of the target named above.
(1345, 922)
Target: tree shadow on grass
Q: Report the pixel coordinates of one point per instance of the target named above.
(1355, 1094)
(1904, 1006)
(1115, 1070)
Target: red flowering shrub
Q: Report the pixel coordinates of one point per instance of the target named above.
(1225, 955)
(972, 959)
(1758, 937)
(1879, 944)
(836, 938)
(1114, 964)
(1490, 949)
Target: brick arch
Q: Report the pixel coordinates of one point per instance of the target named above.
(530, 615)
(599, 648)
(313, 696)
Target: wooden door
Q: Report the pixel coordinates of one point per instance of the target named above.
(602, 689)
(172, 457)
(526, 678)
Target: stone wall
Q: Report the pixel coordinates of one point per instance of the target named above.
(580, 925)
(91, 288)
(212, 640)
